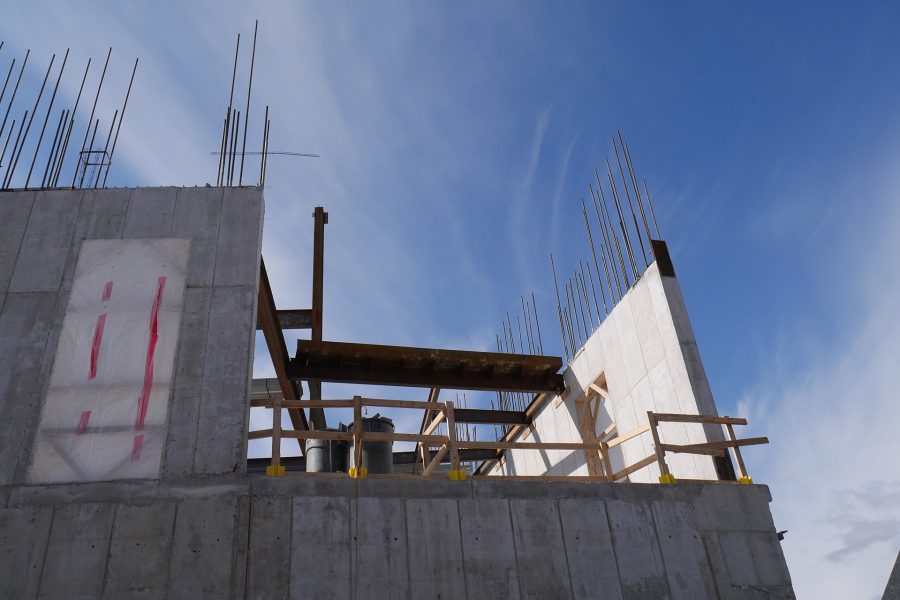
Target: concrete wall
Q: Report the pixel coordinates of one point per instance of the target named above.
(647, 352)
(303, 537)
(41, 234)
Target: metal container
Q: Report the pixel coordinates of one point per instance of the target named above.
(377, 457)
(327, 456)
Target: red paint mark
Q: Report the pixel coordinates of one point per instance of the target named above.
(107, 291)
(136, 448)
(144, 399)
(95, 345)
(83, 423)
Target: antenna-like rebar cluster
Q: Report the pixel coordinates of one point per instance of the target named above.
(93, 161)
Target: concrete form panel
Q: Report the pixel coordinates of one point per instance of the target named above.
(488, 548)
(270, 548)
(14, 212)
(197, 215)
(24, 326)
(540, 549)
(151, 213)
(241, 209)
(200, 563)
(586, 533)
(436, 565)
(683, 552)
(45, 246)
(77, 551)
(138, 564)
(320, 548)
(227, 368)
(23, 540)
(379, 554)
(184, 412)
(641, 569)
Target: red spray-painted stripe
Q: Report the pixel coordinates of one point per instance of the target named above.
(136, 448)
(95, 345)
(151, 348)
(107, 291)
(83, 423)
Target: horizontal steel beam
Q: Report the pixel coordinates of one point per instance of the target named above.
(297, 318)
(500, 417)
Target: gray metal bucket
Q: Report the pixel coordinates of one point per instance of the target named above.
(327, 456)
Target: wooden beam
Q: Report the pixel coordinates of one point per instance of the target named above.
(266, 314)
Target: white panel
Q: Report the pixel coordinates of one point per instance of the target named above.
(104, 416)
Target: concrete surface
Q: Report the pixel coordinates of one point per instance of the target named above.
(237, 536)
(40, 238)
(646, 350)
(892, 590)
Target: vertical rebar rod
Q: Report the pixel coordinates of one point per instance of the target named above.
(587, 228)
(112, 151)
(652, 214)
(559, 306)
(57, 168)
(104, 157)
(90, 152)
(12, 65)
(528, 332)
(15, 90)
(56, 142)
(537, 323)
(262, 154)
(637, 229)
(8, 136)
(576, 292)
(594, 291)
(570, 329)
(37, 147)
(573, 307)
(612, 232)
(587, 300)
(266, 151)
(228, 113)
(91, 118)
(521, 340)
(637, 191)
(15, 162)
(235, 133)
(606, 254)
(247, 113)
(15, 145)
(615, 193)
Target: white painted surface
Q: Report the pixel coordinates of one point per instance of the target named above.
(646, 349)
(91, 427)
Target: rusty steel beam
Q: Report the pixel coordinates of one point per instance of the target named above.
(320, 219)
(499, 417)
(425, 367)
(295, 318)
(267, 317)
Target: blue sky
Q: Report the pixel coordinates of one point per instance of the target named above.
(457, 140)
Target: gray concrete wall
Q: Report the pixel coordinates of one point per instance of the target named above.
(304, 537)
(40, 238)
(646, 350)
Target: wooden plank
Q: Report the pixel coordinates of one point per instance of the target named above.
(372, 436)
(436, 460)
(609, 429)
(631, 434)
(402, 404)
(635, 467)
(573, 478)
(451, 435)
(318, 435)
(693, 449)
(599, 390)
(678, 418)
(526, 445)
(657, 445)
(434, 424)
(259, 434)
(716, 445)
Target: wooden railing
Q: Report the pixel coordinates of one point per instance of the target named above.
(449, 445)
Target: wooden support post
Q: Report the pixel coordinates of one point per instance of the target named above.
(607, 464)
(276, 467)
(665, 476)
(456, 473)
(357, 471)
(436, 461)
(742, 469)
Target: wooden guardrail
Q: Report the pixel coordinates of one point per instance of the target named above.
(450, 444)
